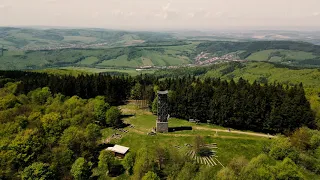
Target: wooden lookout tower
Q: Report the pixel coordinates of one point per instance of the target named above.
(162, 119)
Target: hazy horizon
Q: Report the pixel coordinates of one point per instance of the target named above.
(163, 14)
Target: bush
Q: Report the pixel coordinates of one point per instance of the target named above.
(113, 117)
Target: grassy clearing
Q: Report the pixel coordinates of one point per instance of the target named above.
(121, 61)
(89, 61)
(230, 145)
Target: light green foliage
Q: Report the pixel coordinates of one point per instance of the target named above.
(301, 138)
(80, 169)
(74, 139)
(238, 164)
(37, 171)
(106, 162)
(155, 105)
(7, 101)
(74, 107)
(62, 159)
(287, 169)
(281, 148)
(93, 132)
(26, 145)
(226, 174)
(315, 140)
(136, 92)
(52, 123)
(188, 171)
(40, 96)
(100, 109)
(317, 153)
(113, 116)
(129, 161)
(150, 176)
(258, 169)
(206, 172)
(143, 163)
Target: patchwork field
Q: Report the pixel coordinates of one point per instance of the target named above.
(278, 55)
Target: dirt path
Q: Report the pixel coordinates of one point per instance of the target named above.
(233, 131)
(213, 136)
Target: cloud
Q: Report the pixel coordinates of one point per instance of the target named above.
(316, 13)
(191, 15)
(95, 15)
(50, 1)
(117, 12)
(167, 6)
(167, 12)
(219, 14)
(4, 7)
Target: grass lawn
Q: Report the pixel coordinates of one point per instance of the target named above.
(230, 144)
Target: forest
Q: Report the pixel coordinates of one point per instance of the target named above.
(271, 108)
(265, 108)
(51, 126)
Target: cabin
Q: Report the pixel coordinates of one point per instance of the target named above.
(118, 151)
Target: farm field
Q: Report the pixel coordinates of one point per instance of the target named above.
(278, 55)
(128, 57)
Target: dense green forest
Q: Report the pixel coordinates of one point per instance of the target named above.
(51, 126)
(42, 133)
(116, 89)
(269, 108)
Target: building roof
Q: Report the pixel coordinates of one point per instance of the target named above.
(162, 92)
(118, 149)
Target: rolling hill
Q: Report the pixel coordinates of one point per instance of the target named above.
(96, 48)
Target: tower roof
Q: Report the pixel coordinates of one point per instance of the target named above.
(162, 92)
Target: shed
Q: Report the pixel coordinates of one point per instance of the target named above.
(119, 151)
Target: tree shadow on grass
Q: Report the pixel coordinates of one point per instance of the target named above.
(181, 128)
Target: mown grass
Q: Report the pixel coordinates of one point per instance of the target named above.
(230, 145)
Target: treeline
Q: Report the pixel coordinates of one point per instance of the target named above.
(268, 108)
(115, 88)
(272, 108)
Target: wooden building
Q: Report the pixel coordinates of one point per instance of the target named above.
(119, 151)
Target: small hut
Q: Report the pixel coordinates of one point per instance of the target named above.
(119, 151)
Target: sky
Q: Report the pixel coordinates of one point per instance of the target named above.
(162, 14)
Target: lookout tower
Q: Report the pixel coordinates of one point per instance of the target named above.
(162, 119)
